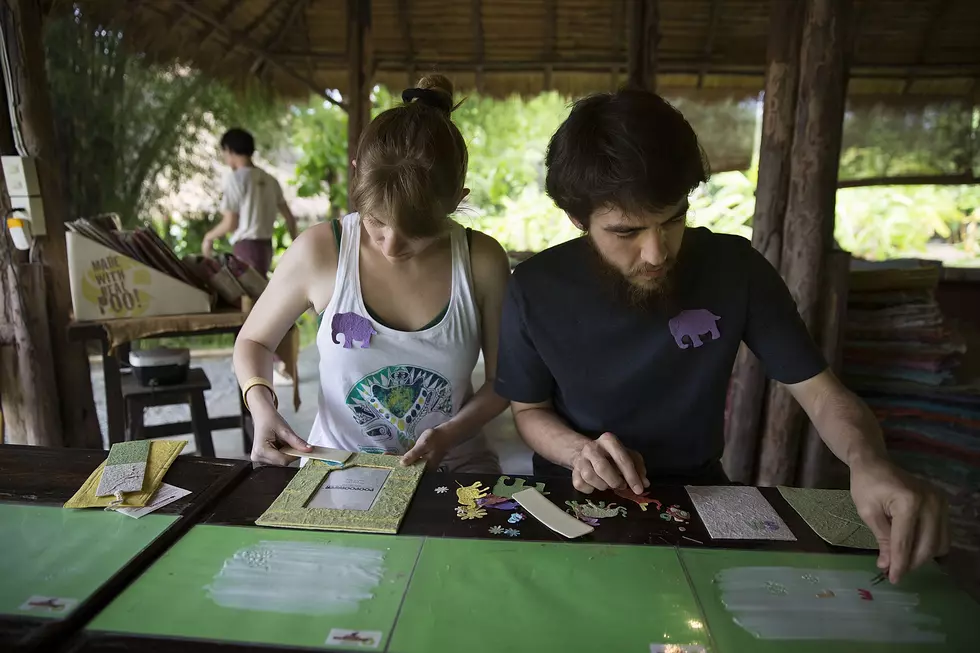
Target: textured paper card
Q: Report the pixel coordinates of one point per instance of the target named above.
(165, 494)
(354, 488)
(162, 455)
(737, 513)
(326, 454)
(550, 515)
(832, 515)
(124, 468)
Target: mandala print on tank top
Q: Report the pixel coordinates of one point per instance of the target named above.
(396, 404)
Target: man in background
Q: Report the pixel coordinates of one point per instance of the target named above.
(251, 199)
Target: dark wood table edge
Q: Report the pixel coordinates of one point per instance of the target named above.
(58, 634)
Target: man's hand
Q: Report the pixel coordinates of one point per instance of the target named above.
(207, 247)
(908, 518)
(432, 445)
(605, 463)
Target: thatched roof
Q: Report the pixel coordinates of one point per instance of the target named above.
(902, 47)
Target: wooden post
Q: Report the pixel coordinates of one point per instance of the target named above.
(778, 120)
(642, 58)
(818, 465)
(30, 107)
(809, 227)
(360, 71)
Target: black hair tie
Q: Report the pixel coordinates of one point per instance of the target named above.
(428, 97)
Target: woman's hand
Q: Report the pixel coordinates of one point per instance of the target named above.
(432, 445)
(270, 433)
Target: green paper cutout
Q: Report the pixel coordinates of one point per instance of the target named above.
(125, 453)
(938, 598)
(172, 599)
(596, 510)
(290, 510)
(65, 554)
(557, 596)
(504, 489)
(832, 515)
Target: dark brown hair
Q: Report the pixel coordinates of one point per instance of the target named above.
(630, 149)
(411, 163)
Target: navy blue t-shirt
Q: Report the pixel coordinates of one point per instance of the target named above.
(657, 376)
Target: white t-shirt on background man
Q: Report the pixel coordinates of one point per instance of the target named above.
(255, 196)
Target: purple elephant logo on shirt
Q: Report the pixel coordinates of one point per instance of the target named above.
(354, 327)
(694, 324)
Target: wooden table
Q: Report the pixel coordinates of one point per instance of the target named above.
(157, 327)
(47, 476)
(432, 514)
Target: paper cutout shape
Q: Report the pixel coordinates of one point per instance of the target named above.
(832, 515)
(639, 499)
(515, 518)
(165, 495)
(551, 515)
(511, 532)
(125, 468)
(469, 494)
(326, 454)
(470, 512)
(291, 509)
(596, 510)
(360, 638)
(506, 489)
(736, 513)
(162, 455)
(496, 530)
(442, 489)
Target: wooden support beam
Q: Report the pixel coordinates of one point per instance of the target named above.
(245, 42)
(551, 39)
(809, 226)
(939, 9)
(643, 38)
(292, 13)
(360, 73)
(32, 121)
(405, 20)
(772, 191)
(709, 40)
(476, 21)
(818, 465)
(618, 38)
(965, 178)
(223, 14)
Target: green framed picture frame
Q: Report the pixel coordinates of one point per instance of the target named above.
(290, 510)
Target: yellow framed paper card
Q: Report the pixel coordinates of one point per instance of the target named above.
(369, 494)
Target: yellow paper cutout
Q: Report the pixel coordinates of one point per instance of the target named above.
(470, 512)
(162, 455)
(469, 494)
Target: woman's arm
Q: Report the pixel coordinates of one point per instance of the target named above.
(491, 272)
(304, 276)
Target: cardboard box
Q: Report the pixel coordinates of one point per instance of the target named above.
(107, 285)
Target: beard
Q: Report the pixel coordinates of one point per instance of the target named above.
(631, 287)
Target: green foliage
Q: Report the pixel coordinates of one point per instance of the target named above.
(131, 133)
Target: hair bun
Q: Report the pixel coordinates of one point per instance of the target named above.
(432, 90)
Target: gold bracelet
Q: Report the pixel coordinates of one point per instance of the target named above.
(254, 381)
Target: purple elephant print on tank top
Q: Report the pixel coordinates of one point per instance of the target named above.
(353, 327)
(694, 324)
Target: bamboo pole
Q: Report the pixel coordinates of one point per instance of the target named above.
(360, 72)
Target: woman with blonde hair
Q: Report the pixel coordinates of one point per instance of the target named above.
(408, 299)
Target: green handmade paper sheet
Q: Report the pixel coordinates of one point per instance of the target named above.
(832, 515)
(490, 596)
(264, 586)
(768, 602)
(53, 559)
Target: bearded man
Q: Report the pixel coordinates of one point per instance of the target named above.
(616, 348)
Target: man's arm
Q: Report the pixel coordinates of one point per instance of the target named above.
(595, 464)
(228, 225)
(289, 217)
(908, 518)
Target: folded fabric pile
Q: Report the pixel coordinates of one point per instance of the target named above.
(901, 357)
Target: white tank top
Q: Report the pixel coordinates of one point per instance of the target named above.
(381, 388)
